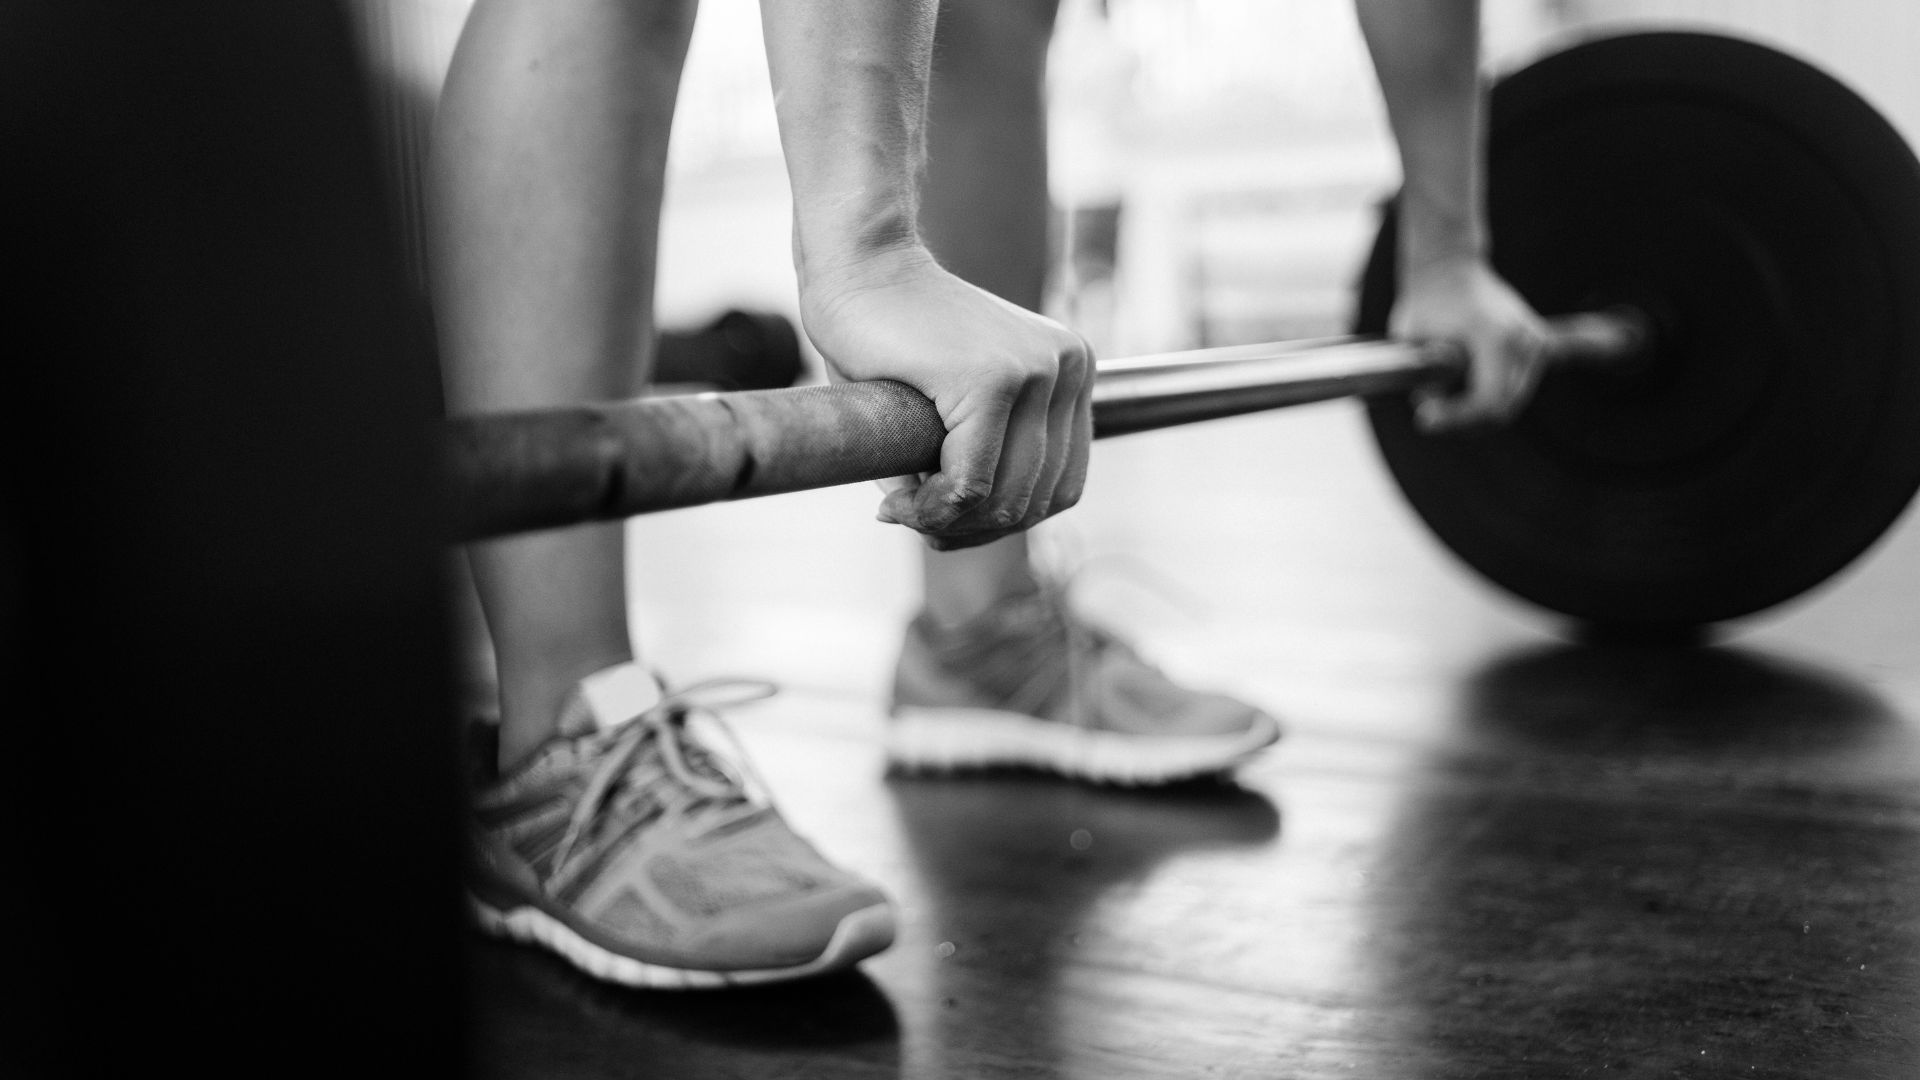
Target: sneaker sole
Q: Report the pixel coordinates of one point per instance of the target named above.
(860, 934)
(949, 740)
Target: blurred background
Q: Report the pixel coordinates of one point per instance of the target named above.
(1244, 144)
(1245, 147)
(1244, 138)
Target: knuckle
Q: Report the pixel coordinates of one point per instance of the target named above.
(966, 493)
(1002, 389)
(1078, 374)
(1039, 372)
(1004, 517)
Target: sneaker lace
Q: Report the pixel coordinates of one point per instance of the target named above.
(690, 776)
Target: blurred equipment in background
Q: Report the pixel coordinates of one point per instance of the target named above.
(739, 350)
(1091, 109)
(1255, 150)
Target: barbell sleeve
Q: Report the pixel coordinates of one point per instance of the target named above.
(519, 471)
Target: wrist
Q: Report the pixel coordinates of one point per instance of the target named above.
(1429, 240)
(849, 241)
(831, 273)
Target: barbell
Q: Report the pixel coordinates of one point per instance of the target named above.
(1733, 418)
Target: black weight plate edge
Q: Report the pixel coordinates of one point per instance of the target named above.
(1696, 63)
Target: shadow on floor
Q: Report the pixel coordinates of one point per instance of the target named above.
(1685, 862)
(1683, 702)
(537, 1017)
(1034, 899)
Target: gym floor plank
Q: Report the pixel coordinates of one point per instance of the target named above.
(1483, 850)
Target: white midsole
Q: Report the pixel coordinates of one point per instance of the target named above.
(959, 738)
(859, 935)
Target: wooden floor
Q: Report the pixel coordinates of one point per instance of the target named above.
(1481, 851)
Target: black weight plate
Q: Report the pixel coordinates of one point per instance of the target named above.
(1769, 220)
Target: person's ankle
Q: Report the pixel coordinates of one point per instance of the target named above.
(957, 609)
(519, 746)
(532, 704)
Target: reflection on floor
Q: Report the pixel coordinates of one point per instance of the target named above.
(1482, 851)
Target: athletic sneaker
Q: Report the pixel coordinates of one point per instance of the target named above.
(1030, 684)
(633, 848)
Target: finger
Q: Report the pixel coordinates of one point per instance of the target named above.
(961, 541)
(896, 506)
(1066, 443)
(1023, 456)
(1507, 366)
(1502, 370)
(896, 496)
(894, 510)
(1490, 392)
(1530, 350)
(1073, 477)
(969, 458)
(1436, 412)
(890, 484)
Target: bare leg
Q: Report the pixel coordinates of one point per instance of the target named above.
(983, 213)
(545, 180)
(987, 676)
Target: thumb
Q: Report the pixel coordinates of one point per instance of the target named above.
(968, 457)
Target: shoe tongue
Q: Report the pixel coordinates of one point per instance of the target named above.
(608, 698)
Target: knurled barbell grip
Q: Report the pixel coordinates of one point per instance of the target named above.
(544, 468)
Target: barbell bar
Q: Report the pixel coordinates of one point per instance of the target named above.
(543, 468)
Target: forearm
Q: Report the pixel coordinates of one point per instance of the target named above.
(1427, 56)
(850, 93)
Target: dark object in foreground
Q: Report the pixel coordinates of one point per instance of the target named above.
(232, 793)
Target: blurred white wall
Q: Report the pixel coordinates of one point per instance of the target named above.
(1277, 117)
(1249, 152)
